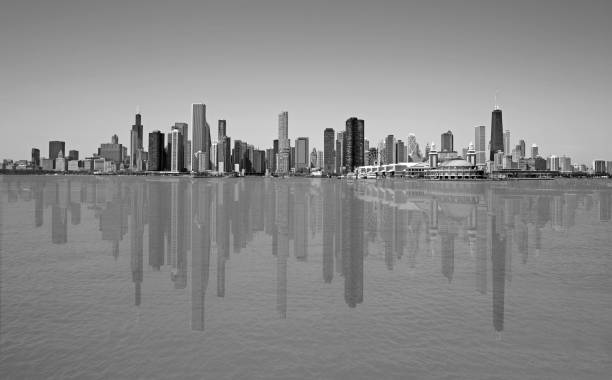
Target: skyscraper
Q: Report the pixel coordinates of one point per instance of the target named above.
(328, 151)
(135, 142)
(283, 143)
(301, 154)
(534, 151)
(201, 133)
(221, 132)
(353, 143)
(507, 149)
(447, 141)
(480, 145)
(73, 155)
(414, 154)
(186, 144)
(156, 151)
(36, 158)
(497, 133)
(339, 152)
(522, 152)
(54, 148)
(389, 149)
(177, 154)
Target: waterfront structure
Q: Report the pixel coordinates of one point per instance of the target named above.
(177, 153)
(447, 142)
(35, 158)
(301, 154)
(328, 151)
(135, 142)
(480, 145)
(497, 131)
(156, 151)
(455, 169)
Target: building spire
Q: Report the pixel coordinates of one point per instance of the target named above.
(495, 98)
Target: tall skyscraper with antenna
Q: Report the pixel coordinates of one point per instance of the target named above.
(497, 131)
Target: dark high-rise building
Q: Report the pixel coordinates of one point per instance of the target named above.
(73, 155)
(389, 147)
(301, 154)
(353, 144)
(222, 131)
(201, 134)
(497, 133)
(447, 142)
(156, 151)
(328, 151)
(115, 139)
(135, 142)
(54, 148)
(36, 157)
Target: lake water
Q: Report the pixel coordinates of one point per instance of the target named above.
(133, 277)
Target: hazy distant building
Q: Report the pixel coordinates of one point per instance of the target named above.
(522, 151)
(156, 151)
(61, 164)
(135, 142)
(447, 142)
(413, 150)
(480, 145)
(497, 133)
(534, 151)
(313, 158)
(328, 151)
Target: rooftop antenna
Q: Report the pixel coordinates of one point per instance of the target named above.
(496, 105)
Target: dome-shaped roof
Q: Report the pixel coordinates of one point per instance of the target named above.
(456, 163)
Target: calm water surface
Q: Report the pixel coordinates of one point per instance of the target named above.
(288, 279)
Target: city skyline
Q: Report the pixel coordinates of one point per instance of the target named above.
(429, 83)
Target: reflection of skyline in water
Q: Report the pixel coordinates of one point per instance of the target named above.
(191, 225)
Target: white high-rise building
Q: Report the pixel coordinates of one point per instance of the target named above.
(284, 149)
(507, 149)
(176, 159)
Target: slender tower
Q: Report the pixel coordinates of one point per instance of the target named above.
(497, 131)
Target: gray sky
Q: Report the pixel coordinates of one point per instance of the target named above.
(77, 70)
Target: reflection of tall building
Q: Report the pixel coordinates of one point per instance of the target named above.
(136, 238)
(447, 250)
(59, 216)
(223, 237)
(38, 203)
(178, 254)
(481, 249)
(352, 246)
(113, 218)
(498, 265)
(200, 251)
(300, 243)
(282, 222)
(329, 226)
(605, 206)
(156, 217)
